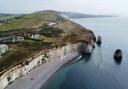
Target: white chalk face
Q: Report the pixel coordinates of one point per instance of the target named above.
(118, 7)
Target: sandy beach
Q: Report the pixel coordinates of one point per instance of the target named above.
(38, 76)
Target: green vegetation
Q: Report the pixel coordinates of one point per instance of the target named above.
(15, 31)
(30, 21)
(50, 31)
(63, 32)
(34, 45)
(13, 57)
(20, 51)
(23, 50)
(5, 18)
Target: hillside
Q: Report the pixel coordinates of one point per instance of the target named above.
(36, 21)
(6, 17)
(53, 31)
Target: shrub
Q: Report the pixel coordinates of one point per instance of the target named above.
(50, 31)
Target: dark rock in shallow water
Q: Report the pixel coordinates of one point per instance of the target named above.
(118, 55)
(99, 40)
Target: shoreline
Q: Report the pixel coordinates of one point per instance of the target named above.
(67, 63)
(41, 74)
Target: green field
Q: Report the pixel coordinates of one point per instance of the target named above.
(4, 18)
(65, 31)
(29, 21)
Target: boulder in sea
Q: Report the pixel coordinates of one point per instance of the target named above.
(99, 40)
(118, 54)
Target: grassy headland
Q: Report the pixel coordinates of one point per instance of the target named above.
(61, 32)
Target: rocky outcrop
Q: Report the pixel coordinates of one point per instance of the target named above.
(44, 56)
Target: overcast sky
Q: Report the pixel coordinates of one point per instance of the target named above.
(119, 7)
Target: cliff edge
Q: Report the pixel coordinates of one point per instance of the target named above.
(37, 38)
(29, 34)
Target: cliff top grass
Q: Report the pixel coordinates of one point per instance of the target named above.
(21, 50)
(4, 18)
(62, 33)
(33, 20)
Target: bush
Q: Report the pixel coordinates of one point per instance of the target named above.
(50, 31)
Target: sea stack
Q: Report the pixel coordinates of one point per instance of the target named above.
(99, 40)
(118, 54)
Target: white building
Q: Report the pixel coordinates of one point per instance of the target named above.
(12, 39)
(19, 38)
(34, 36)
(52, 24)
(3, 48)
(9, 39)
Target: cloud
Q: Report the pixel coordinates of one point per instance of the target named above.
(84, 6)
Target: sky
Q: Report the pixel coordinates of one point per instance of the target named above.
(116, 7)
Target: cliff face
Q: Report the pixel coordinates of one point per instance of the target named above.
(51, 28)
(48, 55)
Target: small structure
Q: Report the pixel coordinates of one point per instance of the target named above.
(34, 36)
(52, 24)
(99, 40)
(19, 38)
(118, 54)
(8, 39)
(3, 48)
(12, 39)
